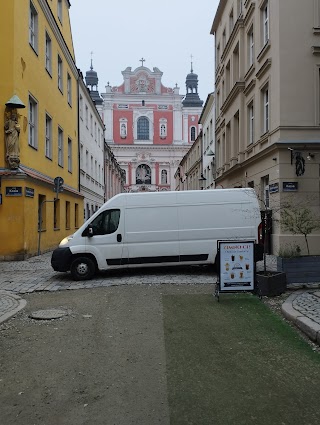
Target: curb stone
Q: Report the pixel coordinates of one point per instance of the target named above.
(10, 304)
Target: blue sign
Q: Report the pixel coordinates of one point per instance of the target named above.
(29, 192)
(290, 186)
(13, 191)
(273, 187)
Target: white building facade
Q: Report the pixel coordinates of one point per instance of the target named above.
(91, 134)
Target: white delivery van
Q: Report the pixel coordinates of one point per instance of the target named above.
(158, 228)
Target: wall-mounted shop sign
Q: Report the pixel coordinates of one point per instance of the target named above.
(13, 191)
(273, 187)
(290, 186)
(29, 192)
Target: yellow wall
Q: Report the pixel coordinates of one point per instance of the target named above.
(23, 73)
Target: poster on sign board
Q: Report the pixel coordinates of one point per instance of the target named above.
(236, 265)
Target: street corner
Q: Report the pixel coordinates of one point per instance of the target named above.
(10, 304)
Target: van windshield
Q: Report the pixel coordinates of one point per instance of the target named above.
(106, 222)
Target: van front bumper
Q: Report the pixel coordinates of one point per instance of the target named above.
(61, 259)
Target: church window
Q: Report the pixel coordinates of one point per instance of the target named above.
(193, 134)
(143, 174)
(143, 128)
(163, 128)
(164, 177)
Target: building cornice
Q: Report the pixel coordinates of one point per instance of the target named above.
(236, 89)
(263, 69)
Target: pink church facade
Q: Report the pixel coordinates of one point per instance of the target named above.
(150, 127)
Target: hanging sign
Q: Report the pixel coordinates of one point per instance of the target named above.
(236, 266)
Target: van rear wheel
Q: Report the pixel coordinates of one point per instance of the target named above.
(82, 268)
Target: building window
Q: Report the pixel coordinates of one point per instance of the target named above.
(250, 47)
(266, 110)
(99, 136)
(224, 39)
(60, 10)
(217, 55)
(91, 124)
(250, 123)
(143, 128)
(69, 155)
(87, 116)
(48, 144)
(60, 147)
(164, 177)
(163, 128)
(76, 215)
(33, 123)
(143, 174)
(192, 134)
(265, 191)
(265, 22)
(33, 27)
(48, 54)
(236, 64)
(81, 107)
(239, 7)
(81, 156)
(56, 214)
(231, 21)
(67, 215)
(69, 89)
(60, 74)
(42, 213)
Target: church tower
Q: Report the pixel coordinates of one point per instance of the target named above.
(192, 98)
(92, 84)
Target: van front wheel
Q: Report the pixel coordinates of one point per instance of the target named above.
(82, 268)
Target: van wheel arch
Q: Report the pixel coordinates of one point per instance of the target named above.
(83, 266)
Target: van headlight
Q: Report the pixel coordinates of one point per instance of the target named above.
(66, 240)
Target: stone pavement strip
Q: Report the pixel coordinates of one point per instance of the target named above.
(35, 274)
(303, 309)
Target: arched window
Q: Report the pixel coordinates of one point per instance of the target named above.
(143, 174)
(193, 134)
(143, 128)
(164, 177)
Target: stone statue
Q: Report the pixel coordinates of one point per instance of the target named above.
(12, 131)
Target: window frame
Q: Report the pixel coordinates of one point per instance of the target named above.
(265, 22)
(33, 122)
(69, 89)
(60, 147)
(143, 128)
(69, 155)
(33, 27)
(60, 73)
(48, 53)
(48, 136)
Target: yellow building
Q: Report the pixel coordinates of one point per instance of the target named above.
(38, 142)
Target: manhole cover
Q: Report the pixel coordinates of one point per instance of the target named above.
(49, 314)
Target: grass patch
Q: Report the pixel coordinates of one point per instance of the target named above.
(236, 362)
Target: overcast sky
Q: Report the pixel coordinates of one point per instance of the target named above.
(164, 33)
